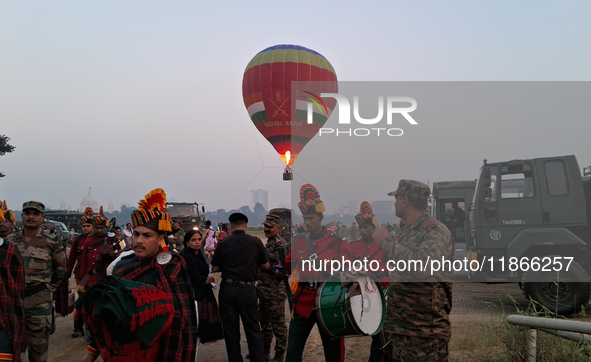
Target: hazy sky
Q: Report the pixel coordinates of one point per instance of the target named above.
(129, 96)
(458, 124)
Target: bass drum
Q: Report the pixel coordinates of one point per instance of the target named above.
(384, 340)
(341, 315)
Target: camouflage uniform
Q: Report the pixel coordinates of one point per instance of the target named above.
(286, 233)
(180, 234)
(44, 259)
(417, 320)
(271, 292)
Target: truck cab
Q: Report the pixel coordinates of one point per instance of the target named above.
(448, 198)
(188, 213)
(535, 209)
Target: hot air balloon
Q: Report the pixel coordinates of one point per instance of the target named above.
(279, 108)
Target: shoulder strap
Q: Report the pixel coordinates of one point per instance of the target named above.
(430, 224)
(111, 266)
(311, 253)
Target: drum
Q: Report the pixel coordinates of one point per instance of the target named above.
(342, 316)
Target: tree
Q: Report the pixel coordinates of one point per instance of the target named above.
(5, 148)
(259, 209)
(245, 210)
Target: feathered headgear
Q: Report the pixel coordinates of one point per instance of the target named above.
(100, 219)
(87, 217)
(310, 200)
(8, 214)
(151, 212)
(366, 215)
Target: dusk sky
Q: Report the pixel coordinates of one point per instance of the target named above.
(128, 96)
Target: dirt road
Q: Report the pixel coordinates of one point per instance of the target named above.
(472, 303)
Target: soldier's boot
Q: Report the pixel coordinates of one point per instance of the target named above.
(76, 333)
(279, 357)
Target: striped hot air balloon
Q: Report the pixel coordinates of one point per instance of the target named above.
(271, 100)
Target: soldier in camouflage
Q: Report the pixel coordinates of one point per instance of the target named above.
(44, 260)
(175, 239)
(417, 320)
(272, 292)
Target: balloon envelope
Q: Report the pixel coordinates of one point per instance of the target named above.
(279, 107)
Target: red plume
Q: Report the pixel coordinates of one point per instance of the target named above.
(365, 209)
(309, 194)
(101, 213)
(88, 212)
(155, 200)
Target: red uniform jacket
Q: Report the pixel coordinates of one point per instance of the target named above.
(74, 259)
(329, 247)
(97, 254)
(361, 249)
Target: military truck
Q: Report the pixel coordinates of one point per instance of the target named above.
(530, 222)
(285, 215)
(189, 213)
(445, 195)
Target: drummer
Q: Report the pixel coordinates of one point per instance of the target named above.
(367, 248)
(316, 244)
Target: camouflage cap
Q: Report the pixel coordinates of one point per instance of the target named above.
(272, 220)
(412, 189)
(35, 205)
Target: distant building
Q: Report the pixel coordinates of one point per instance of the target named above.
(261, 196)
(89, 201)
(111, 207)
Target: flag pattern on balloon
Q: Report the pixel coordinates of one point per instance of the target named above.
(270, 95)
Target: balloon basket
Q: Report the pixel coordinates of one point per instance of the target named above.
(287, 174)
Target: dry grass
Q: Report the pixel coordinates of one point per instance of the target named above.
(488, 337)
(474, 338)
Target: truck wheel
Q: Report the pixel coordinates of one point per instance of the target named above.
(555, 291)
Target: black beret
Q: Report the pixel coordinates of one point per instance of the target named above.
(237, 216)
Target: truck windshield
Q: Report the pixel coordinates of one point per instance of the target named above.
(182, 210)
(515, 185)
